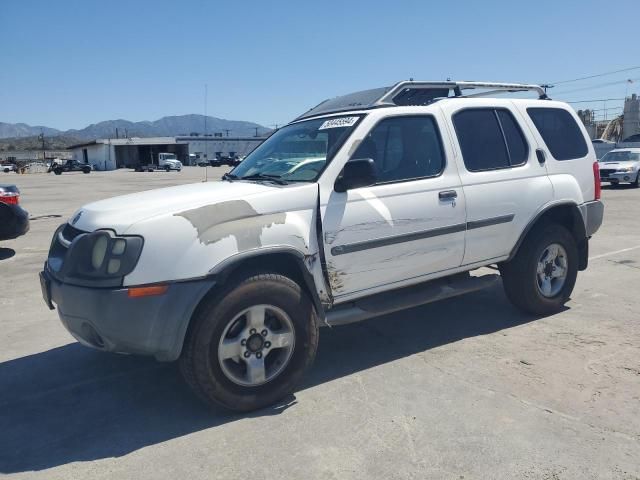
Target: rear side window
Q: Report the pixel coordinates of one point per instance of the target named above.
(490, 139)
(560, 132)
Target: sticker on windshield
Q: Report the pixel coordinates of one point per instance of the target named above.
(339, 123)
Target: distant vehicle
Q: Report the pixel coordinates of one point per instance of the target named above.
(166, 161)
(8, 167)
(70, 166)
(601, 140)
(633, 138)
(14, 220)
(621, 165)
(231, 160)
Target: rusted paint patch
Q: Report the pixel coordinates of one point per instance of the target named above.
(235, 218)
(335, 278)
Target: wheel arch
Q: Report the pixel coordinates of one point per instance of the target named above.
(286, 261)
(569, 216)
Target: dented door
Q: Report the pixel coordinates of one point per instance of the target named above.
(401, 229)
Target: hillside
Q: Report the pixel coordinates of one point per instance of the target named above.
(165, 126)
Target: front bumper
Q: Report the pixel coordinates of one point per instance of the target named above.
(108, 319)
(619, 177)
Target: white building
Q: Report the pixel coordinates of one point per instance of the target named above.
(109, 154)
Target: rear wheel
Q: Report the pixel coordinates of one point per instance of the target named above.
(541, 276)
(249, 346)
(86, 170)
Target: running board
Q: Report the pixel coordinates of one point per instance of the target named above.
(408, 297)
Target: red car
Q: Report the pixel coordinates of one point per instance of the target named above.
(14, 220)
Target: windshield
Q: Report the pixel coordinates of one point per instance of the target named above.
(170, 156)
(298, 152)
(621, 157)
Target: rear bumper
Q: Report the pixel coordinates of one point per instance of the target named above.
(15, 226)
(108, 319)
(592, 214)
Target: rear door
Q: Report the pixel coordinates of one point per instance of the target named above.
(504, 184)
(409, 224)
(569, 154)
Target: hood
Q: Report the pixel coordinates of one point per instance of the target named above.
(120, 213)
(625, 164)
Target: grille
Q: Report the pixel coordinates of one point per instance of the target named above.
(605, 172)
(69, 232)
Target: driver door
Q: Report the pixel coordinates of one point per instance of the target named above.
(409, 224)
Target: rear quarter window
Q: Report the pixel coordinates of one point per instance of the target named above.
(560, 132)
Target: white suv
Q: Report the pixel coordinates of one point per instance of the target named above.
(401, 192)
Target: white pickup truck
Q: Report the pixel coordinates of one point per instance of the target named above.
(367, 204)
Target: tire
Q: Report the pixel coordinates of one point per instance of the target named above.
(220, 381)
(167, 168)
(636, 183)
(57, 171)
(86, 170)
(521, 278)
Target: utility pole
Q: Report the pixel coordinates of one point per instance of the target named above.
(256, 131)
(41, 138)
(206, 144)
(227, 130)
(545, 86)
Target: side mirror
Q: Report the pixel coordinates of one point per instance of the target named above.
(358, 172)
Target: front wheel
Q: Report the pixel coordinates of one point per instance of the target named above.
(249, 346)
(636, 182)
(541, 277)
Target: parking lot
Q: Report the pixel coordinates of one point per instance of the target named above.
(465, 388)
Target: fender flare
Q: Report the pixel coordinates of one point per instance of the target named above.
(577, 214)
(223, 270)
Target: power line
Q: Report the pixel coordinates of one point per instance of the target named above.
(598, 100)
(601, 85)
(596, 76)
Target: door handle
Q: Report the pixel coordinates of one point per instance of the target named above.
(541, 156)
(447, 194)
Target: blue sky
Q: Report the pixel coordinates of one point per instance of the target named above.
(66, 64)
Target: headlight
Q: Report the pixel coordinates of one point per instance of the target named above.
(101, 258)
(625, 169)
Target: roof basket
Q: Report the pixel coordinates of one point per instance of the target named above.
(417, 93)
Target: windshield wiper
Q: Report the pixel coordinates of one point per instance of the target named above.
(229, 176)
(264, 176)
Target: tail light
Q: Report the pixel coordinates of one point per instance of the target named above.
(596, 180)
(10, 198)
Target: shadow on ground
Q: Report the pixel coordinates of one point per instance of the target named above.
(6, 253)
(74, 404)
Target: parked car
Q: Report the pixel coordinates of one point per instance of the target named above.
(621, 165)
(601, 140)
(229, 160)
(402, 203)
(633, 138)
(8, 167)
(14, 220)
(69, 166)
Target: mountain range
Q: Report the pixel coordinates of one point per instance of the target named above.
(166, 126)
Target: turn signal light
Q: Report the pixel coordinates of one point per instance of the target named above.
(596, 180)
(137, 292)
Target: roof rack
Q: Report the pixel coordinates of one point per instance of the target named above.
(412, 92)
